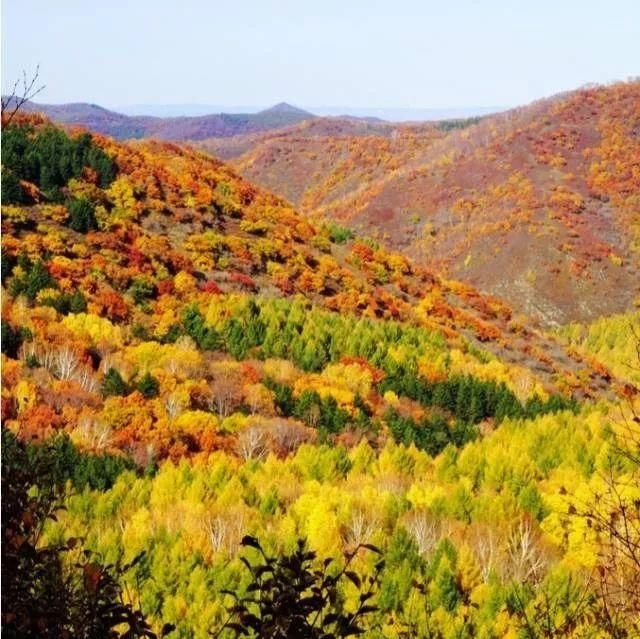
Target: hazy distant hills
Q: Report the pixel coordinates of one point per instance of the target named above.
(390, 114)
(407, 114)
(121, 126)
(199, 122)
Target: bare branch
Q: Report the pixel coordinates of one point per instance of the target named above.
(12, 103)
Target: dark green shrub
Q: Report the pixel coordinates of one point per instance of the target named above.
(141, 290)
(289, 596)
(42, 595)
(205, 337)
(149, 386)
(33, 281)
(48, 157)
(82, 216)
(340, 234)
(66, 303)
(113, 384)
(12, 192)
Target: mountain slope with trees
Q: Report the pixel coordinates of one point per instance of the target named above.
(537, 205)
(198, 366)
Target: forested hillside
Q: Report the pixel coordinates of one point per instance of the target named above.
(538, 205)
(197, 362)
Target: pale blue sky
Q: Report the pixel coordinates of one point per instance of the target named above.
(361, 53)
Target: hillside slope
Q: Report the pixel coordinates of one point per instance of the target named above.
(539, 205)
(113, 253)
(188, 360)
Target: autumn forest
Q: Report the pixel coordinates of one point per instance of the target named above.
(322, 377)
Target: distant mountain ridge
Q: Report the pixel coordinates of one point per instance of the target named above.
(121, 126)
(181, 122)
(386, 113)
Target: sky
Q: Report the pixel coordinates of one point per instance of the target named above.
(360, 53)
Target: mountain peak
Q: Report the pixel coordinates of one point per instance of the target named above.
(285, 107)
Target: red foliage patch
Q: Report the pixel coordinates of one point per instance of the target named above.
(112, 305)
(244, 280)
(165, 287)
(212, 288)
